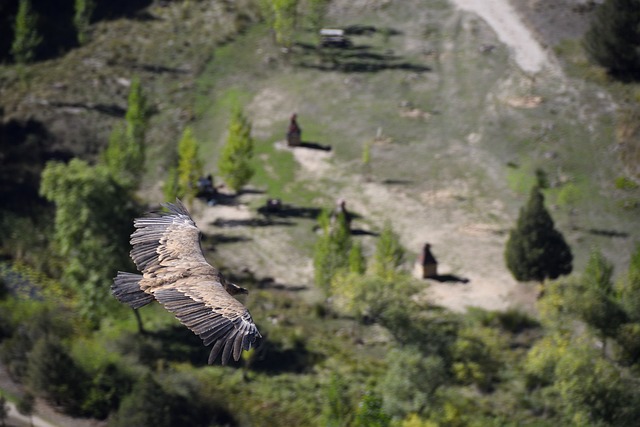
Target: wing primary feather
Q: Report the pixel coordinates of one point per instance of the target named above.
(228, 346)
(237, 344)
(215, 350)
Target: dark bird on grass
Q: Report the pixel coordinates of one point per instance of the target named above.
(166, 250)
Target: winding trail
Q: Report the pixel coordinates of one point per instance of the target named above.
(505, 21)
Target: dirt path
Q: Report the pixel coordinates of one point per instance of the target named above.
(502, 17)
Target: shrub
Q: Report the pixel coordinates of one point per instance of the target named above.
(613, 41)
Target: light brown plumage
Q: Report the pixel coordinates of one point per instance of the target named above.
(166, 250)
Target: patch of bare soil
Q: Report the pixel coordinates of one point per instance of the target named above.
(469, 253)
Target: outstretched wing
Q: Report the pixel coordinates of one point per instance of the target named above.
(166, 249)
(209, 311)
(167, 243)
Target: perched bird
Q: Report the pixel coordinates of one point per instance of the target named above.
(166, 249)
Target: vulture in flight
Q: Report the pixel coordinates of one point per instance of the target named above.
(166, 249)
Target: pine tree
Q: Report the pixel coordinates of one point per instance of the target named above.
(629, 292)
(357, 262)
(596, 303)
(170, 186)
(535, 250)
(137, 115)
(234, 164)
(189, 165)
(332, 249)
(613, 40)
(26, 38)
(125, 153)
(389, 253)
(82, 18)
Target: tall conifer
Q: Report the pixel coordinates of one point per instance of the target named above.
(234, 164)
(613, 40)
(535, 250)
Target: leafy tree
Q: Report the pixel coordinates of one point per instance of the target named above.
(82, 18)
(613, 40)
(389, 253)
(26, 404)
(476, 356)
(596, 303)
(591, 390)
(535, 250)
(317, 9)
(375, 298)
(281, 15)
(146, 406)
(410, 382)
(55, 375)
(336, 411)
(370, 412)
(92, 227)
(235, 160)
(104, 389)
(151, 404)
(26, 38)
(189, 166)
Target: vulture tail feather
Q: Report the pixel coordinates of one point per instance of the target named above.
(126, 288)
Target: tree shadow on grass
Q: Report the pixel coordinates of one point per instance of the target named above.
(251, 222)
(353, 59)
(449, 278)
(604, 233)
(315, 146)
(289, 211)
(221, 239)
(112, 110)
(270, 283)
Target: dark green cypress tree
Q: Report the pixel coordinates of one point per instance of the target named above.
(613, 40)
(535, 250)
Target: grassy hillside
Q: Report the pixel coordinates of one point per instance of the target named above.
(456, 131)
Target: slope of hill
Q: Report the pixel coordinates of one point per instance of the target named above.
(457, 128)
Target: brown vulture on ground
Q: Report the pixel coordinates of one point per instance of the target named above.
(166, 250)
